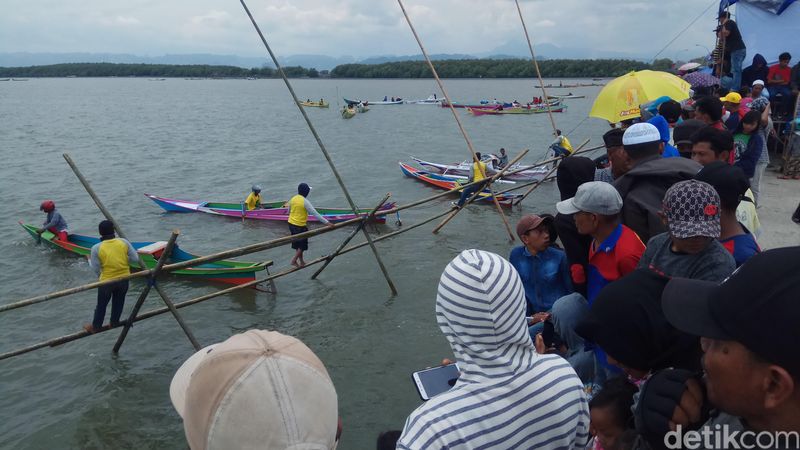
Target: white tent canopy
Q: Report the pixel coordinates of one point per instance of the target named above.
(767, 33)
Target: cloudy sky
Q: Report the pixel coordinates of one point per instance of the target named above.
(348, 27)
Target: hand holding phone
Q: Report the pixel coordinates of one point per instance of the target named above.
(435, 380)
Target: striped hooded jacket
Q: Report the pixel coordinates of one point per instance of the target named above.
(507, 396)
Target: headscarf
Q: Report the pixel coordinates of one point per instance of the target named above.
(507, 396)
(303, 189)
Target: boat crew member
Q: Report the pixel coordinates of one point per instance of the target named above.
(561, 145)
(503, 160)
(477, 172)
(253, 200)
(110, 258)
(55, 222)
(299, 209)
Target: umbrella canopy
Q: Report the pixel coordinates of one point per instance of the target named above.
(701, 79)
(620, 99)
(689, 66)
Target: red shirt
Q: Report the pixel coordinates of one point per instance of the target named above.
(777, 73)
(612, 259)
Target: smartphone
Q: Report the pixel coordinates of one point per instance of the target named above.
(434, 381)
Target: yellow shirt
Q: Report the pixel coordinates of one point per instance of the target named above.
(253, 200)
(479, 171)
(113, 255)
(298, 216)
(565, 143)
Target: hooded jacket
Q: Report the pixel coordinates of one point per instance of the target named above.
(756, 71)
(663, 129)
(643, 188)
(507, 396)
(571, 173)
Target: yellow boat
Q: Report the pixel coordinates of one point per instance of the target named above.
(319, 104)
(348, 113)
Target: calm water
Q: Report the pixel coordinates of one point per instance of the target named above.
(212, 140)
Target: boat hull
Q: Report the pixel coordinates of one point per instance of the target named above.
(229, 272)
(533, 174)
(271, 211)
(448, 183)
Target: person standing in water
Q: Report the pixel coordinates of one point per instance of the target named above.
(253, 200)
(299, 209)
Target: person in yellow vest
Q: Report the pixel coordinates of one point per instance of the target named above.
(477, 172)
(299, 209)
(253, 200)
(110, 258)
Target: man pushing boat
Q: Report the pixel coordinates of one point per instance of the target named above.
(299, 209)
(253, 200)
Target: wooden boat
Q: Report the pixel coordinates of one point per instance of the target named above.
(431, 100)
(230, 272)
(497, 112)
(270, 211)
(462, 169)
(563, 96)
(369, 102)
(348, 113)
(462, 105)
(320, 104)
(449, 182)
(362, 108)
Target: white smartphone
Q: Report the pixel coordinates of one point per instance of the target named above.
(434, 381)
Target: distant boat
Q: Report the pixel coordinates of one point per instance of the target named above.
(431, 100)
(348, 113)
(5, 79)
(560, 96)
(156, 79)
(319, 104)
(72, 76)
(368, 102)
(19, 79)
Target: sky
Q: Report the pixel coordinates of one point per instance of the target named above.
(358, 28)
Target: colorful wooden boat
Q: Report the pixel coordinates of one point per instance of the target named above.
(348, 113)
(462, 169)
(230, 272)
(449, 182)
(270, 211)
(498, 112)
(320, 104)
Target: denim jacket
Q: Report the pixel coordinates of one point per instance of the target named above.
(545, 276)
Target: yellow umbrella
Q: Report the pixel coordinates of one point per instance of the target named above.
(620, 99)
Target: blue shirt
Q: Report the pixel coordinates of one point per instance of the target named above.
(545, 276)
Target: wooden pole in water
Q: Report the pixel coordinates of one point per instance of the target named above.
(335, 253)
(455, 116)
(476, 193)
(536, 66)
(320, 144)
(142, 264)
(548, 174)
(151, 281)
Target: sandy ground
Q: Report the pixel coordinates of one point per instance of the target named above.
(779, 200)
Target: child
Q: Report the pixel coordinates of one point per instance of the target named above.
(748, 143)
(610, 413)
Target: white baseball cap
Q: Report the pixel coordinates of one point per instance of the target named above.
(258, 389)
(596, 197)
(640, 133)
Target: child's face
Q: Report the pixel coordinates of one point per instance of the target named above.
(604, 426)
(749, 127)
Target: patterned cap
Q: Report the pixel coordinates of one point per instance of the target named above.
(692, 209)
(759, 104)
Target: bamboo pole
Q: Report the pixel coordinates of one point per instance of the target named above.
(155, 312)
(455, 115)
(143, 295)
(472, 197)
(142, 264)
(536, 66)
(519, 200)
(320, 144)
(335, 253)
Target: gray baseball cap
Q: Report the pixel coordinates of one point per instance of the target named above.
(596, 197)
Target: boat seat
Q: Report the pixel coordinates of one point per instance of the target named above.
(155, 249)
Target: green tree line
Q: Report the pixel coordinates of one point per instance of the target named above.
(499, 68)
(151, 70)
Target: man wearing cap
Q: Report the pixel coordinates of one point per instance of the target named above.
(731, 184)
(690, 248)
(642, 188)
(683, 136)
(731, 103)
(735, 50)
(299, 209)
(110, 258)
(749, 333)
(618, 161)
(543, 269)
(253, 200)
(615, 250)
(257, 389)
(508, 396)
